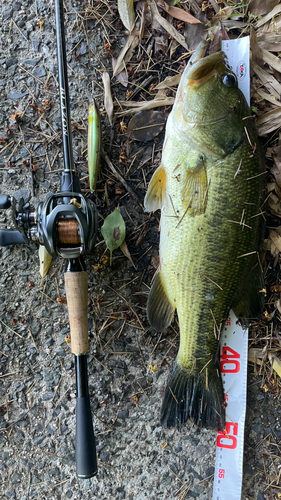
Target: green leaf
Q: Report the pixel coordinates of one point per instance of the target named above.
(114, 230)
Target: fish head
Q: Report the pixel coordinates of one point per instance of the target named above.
(209, 106)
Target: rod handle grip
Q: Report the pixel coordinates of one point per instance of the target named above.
(76, 287)
(86, 458)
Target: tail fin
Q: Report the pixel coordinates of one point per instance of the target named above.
(198, 397)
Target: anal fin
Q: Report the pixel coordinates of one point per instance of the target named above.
(160, 311)
(156, 190)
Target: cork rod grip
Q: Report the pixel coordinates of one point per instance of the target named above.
(76, 286)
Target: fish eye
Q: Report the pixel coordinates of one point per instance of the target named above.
(229, 80)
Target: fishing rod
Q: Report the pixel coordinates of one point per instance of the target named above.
(66, 224)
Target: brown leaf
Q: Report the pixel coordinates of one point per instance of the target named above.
(166, 25)
(255, 48)
(274, 12)
(170, 81)
(261, 8)
(276, 169)
(276, 238)
(160, 44)
(146, 125)
(141, 106)
(274, 204)
(155, 261)
(177, 13)
(269, 121)
(126, 252)
(220, 34)
(125, 54)
(193, 34)
(122, 77)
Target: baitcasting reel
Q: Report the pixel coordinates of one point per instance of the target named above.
(66, 223)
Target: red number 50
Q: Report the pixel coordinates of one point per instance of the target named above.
(227, 438)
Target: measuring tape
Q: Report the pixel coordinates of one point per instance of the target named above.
(230, 443)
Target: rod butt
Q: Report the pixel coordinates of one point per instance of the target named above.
(86, 460)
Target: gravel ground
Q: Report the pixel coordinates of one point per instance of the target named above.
(137, 458)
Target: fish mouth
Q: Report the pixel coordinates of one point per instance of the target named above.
(204, 69)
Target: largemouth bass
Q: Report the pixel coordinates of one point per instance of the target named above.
(209, 189)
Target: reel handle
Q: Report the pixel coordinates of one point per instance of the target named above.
(5, 201)
(11, 237)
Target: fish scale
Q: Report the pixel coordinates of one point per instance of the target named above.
(209, 189)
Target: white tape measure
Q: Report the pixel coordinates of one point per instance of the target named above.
(230, 443)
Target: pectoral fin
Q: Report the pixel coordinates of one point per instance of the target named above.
(160, 311)
(195, 188)
(156, 191)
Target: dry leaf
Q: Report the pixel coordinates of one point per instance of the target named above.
(269, 121)
(270, 41)
(122, 77)
(143, 20)
(177, 13)
(268, 97)
(139, 106)
(255, 48)
(277, 305)
(130, 45)
(276, 362)
(260, 8)
(219, 35)
(271, 60)
(166, 25)
(276, 10)
(276, 169)
(271, 84)
(170, 81)
(161, 44)
(146, 125)
(126, 252)
(108, 102)
(127, 13)
(274, 204)
(276, 238)
(193, 34)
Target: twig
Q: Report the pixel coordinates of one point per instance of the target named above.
(120, 178)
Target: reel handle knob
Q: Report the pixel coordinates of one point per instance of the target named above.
(5, 201)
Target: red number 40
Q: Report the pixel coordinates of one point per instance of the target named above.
(228, 361)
